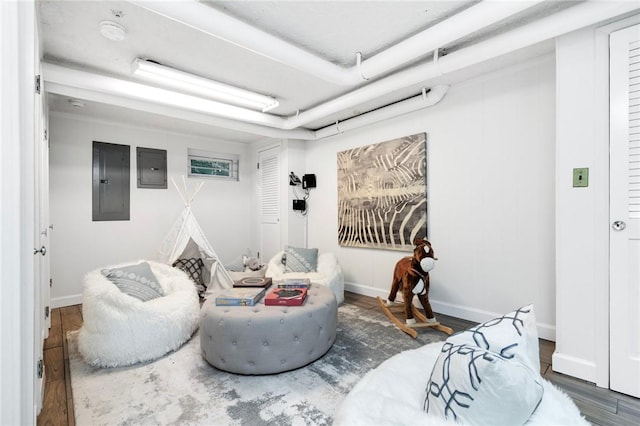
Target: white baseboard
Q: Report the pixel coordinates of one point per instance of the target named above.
(59, 302)
(545, 331)
(572, 366)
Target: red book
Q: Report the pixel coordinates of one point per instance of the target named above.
(286, 296)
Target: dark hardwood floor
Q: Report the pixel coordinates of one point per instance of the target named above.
(599, 406)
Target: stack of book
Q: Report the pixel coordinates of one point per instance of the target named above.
(288, 292)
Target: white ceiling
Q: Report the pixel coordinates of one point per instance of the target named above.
(331, 30)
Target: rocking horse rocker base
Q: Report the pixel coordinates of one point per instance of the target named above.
(410, 329)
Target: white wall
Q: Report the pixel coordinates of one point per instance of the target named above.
(491, 196)
(79, 245)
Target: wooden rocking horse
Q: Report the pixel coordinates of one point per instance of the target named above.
(411, 274)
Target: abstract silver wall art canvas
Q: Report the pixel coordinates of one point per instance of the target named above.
(382, 194)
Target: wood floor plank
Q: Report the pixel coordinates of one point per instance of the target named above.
(55, 337)
(546, 350)
(597, 415)
(597, 397)
(54, 406)
(359, 302)
(629, 409)
(55, 317)
(54, 364)
(68, 310)
(71, 321)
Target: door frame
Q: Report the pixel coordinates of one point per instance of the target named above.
(18, 400)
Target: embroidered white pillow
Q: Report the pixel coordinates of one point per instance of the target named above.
(512, 336)
(474, 386)
(135, 280)
(300, 259)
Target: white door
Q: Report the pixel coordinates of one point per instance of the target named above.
(41, 240)
(624, 343)
(269, 203)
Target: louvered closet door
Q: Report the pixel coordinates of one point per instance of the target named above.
(624, 285)
(269, 172)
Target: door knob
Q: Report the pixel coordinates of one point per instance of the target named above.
(618, 225)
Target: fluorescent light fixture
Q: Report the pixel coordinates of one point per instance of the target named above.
(200, 86)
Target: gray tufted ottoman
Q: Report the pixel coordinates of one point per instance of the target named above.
(268, 339)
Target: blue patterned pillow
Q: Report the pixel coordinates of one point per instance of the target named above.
(512, 336)
(300, 259)
(474, 386)
(135, 280)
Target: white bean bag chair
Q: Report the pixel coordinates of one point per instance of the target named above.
(486, 375)
(393, 394)
(120, 329)
(328, 273)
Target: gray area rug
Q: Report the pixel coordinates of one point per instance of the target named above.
(182, 388)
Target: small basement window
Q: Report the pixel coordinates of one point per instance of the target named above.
(212, 164)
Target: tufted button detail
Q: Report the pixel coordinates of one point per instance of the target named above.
(251, 363)
(281, 320)
(265, 343)
(295, 338)
(282, 361)
(249, 322)
(234, 343)
(221, 322)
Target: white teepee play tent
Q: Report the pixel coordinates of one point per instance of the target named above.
(186, 240)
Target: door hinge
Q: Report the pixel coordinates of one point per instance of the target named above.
(46, 312)
(45, 134)
(258, 166)
(50, 282)
(38, 84)
(40, 369)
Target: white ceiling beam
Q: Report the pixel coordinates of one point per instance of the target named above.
(232, 30)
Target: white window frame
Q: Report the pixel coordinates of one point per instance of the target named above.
(213, 165)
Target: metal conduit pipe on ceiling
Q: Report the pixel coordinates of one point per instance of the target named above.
(220, 25)
(109, 90)
(415, 103)
(565, 21)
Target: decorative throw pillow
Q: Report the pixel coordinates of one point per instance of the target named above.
(193, 268)
(478, 387)
(300, 259)
(512, 336)
(135, 280)
(236, 266)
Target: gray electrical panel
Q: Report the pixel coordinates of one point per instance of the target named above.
(152, 168)
(111, 181)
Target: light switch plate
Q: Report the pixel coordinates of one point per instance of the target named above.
(581, 177)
